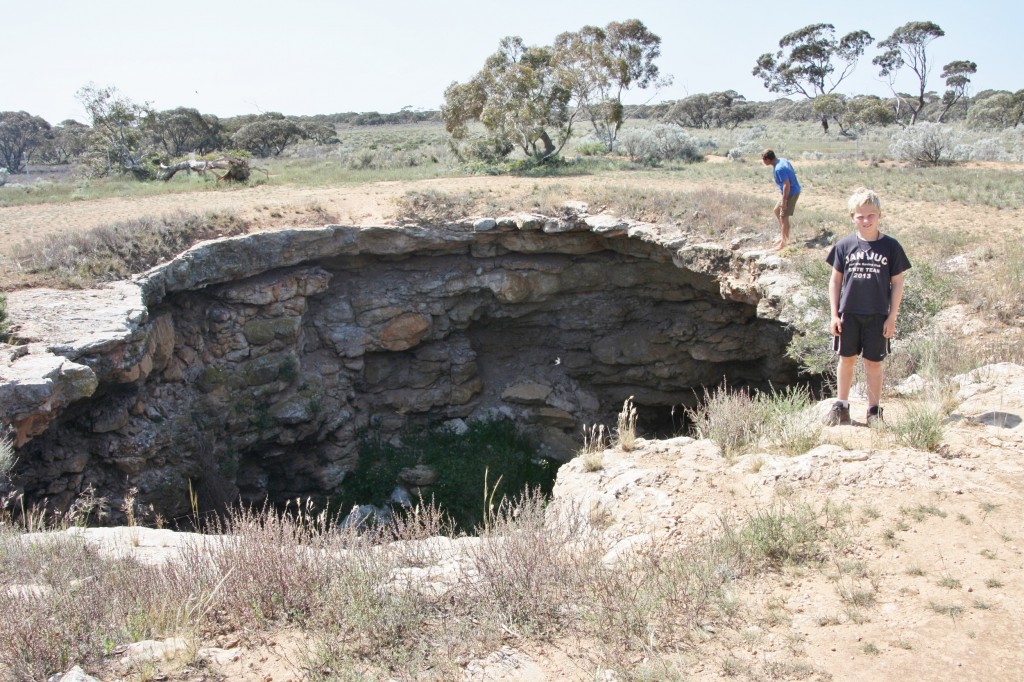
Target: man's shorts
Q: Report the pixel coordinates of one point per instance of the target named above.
(862, 335)
(790, 204)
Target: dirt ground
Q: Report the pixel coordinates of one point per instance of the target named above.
(280, 206)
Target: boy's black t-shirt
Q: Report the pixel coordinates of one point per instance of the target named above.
(867, 269)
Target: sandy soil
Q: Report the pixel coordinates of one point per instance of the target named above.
(274, 207)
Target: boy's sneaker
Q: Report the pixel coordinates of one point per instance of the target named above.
(874, 415)
(838, 415)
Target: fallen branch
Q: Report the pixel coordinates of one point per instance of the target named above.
(237, 170)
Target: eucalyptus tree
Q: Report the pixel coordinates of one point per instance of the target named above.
(268, 134)
(21, 134)
(599, 64)
(807, 60)
(530, 97)
(997, 109)
(66, 142)
(519, 98)
(907, 47)
(120, 131)
(726, 109)
(958, 79)
(183, 130)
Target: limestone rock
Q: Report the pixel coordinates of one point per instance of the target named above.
(251, 365)
(530, 393)
(419, 476)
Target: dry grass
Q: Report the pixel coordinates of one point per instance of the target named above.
(625, 427)
(362, 602)
(79, 259)
(739, 421)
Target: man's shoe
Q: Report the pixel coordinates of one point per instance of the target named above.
(838, 415)
(874, 416)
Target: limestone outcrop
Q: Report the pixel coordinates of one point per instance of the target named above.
(251, 365)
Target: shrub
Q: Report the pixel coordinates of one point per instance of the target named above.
(432, 207)
(4, 174)
(921, 426)
(661, 143)
(591, 148)
(751, 141)
(728, 418)
(7, 457)
(924, 144)
(988, 149)
(3, 317)
(738, 420)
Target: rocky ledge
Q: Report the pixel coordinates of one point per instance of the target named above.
(250, 365)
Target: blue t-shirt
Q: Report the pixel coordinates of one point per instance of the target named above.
(868, 269)
(783, 171)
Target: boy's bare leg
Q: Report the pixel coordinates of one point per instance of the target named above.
(844, 376)
(873, 378)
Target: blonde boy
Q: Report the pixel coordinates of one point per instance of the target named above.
(864, 293)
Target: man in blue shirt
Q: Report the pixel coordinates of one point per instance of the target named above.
(789, 187)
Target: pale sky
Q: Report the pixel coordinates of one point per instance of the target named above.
(302, 57)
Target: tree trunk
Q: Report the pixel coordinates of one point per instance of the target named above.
(549, 146)
(238, 170)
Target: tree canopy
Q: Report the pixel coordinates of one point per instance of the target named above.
(119, 130)
(711, 110)
(20, 134)
(599, 64)
(807, 60)
(184, 130)
(908, 47)
(957, 75)
(530, 96)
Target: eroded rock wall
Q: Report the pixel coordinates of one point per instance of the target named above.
(249, 366)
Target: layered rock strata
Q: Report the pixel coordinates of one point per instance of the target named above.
(251, 365)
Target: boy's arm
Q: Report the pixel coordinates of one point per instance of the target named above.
(785, 192)
(835, 288)
(895, 298)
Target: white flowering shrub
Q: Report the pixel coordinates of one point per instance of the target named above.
(752, 139)
(989, 149)
(924, 144)
(661, 143)
(735, 154)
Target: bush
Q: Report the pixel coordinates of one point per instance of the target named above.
(988, 149)
(3, 317)
(433, 207)
(661, 143)
(4, 174)
(921, 426)
(738, 421)
(7, 457)
(924, 144)
(591, 148)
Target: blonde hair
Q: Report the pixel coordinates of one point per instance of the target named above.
(861, 197)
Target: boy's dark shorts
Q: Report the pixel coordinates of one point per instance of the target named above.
(862, 335)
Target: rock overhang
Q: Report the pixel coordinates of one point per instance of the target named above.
(298, 337)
